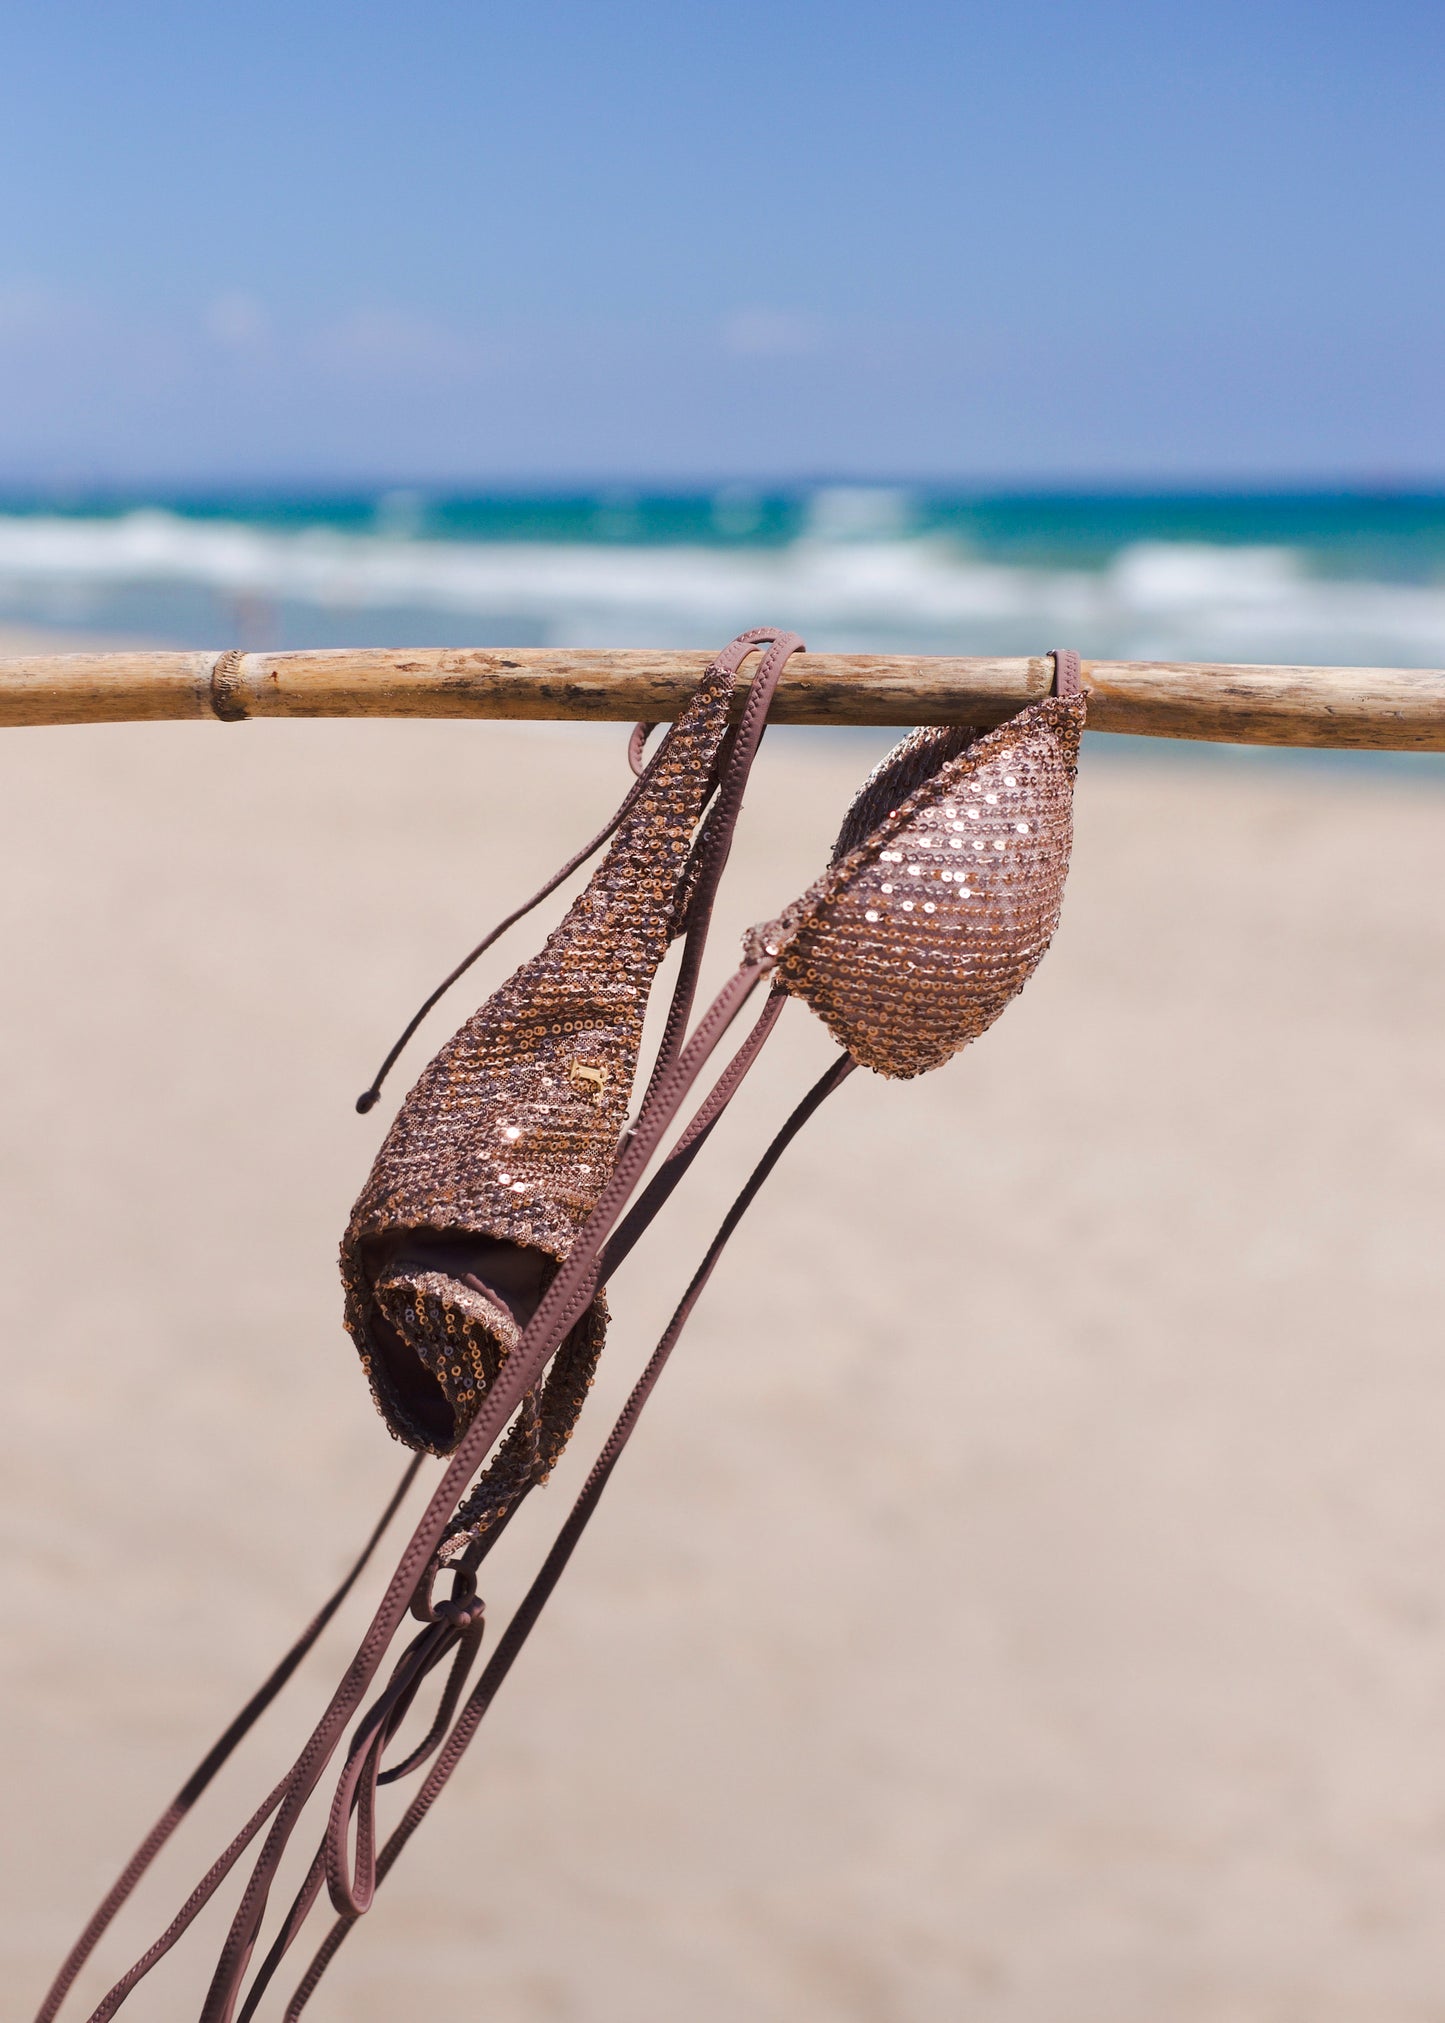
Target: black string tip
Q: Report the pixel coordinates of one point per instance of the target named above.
(367, 1100)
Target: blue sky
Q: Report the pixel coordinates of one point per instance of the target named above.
(1019, 243)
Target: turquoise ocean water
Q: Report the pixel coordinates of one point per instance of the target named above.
(1340, 577)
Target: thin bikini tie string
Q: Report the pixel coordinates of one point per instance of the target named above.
(714, 841)
(351, 1887)
(371, 1095)
(1066, 682)
(637, 744)
(328, 1862)
(679, 1158)
(530, 1608)
(719, 828)
(618, 1247)
(745, 745)
(561, 1306)
(546, 1579)
(568, 1295)
(211, 1763)
(758, 703)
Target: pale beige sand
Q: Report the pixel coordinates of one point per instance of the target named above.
(1026, 1599)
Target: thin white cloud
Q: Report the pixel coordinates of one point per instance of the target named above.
(769, 333)
(392, 344)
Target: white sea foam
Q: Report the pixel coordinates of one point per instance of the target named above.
(877, 589)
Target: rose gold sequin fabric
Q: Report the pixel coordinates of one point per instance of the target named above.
(508, 1138)
(943, 894)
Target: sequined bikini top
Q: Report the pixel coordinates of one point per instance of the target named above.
(515, 1180)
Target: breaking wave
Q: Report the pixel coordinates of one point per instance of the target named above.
(863, 589)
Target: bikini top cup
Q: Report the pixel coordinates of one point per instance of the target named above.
(499, 1154)
(944, 890)
(512, 1185)
(942, 895)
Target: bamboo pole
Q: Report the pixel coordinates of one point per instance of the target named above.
(1380, 708)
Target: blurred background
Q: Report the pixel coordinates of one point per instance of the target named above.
(1091, 1665)
(938, 324)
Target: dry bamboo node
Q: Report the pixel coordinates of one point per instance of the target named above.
(1372, 708)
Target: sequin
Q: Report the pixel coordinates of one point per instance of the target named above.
(975, 946)
(439, 1166)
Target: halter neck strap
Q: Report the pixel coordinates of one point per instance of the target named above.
(1067, 670)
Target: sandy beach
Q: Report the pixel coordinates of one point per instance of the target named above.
(1025, 1600)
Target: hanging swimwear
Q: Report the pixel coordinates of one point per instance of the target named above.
(512, 1186)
